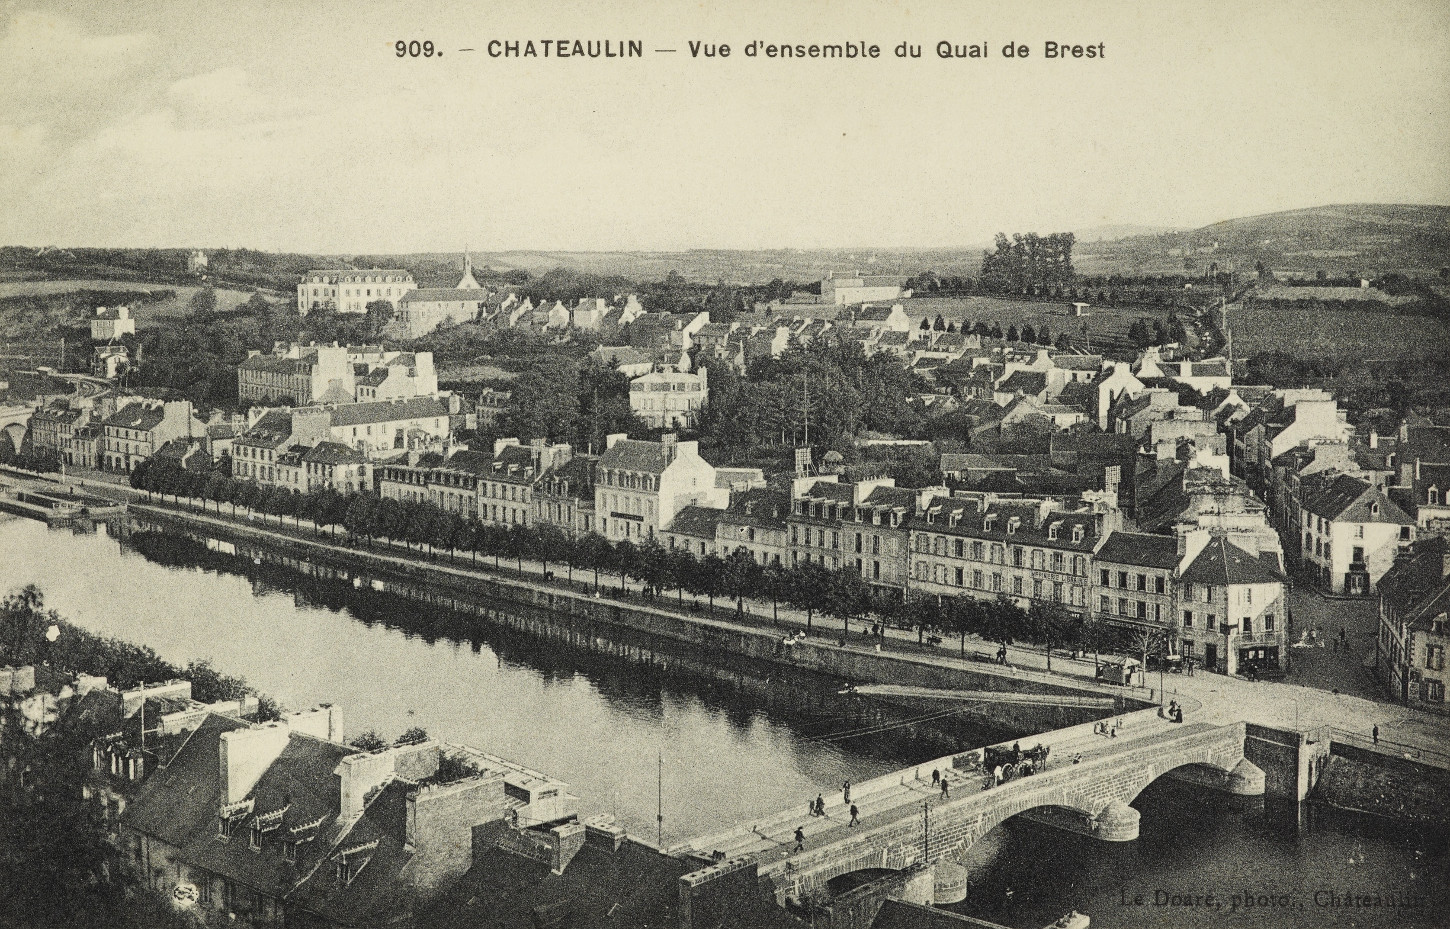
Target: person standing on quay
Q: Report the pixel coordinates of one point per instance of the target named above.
(944, 788)
(1376, 733)
(800, 839)
(846, 793)
(855, 816)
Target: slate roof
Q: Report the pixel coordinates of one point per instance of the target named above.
(1031, 528)
(1350, 499)
(1139, 548)
(271, 429)
(382, 411)
(1078, 362)
(696, 521)
(332, 453)
(1417, 586)
(635, 455)
(875, 313)
(136, 416)
(1028, 382)
(277, 365)
(445, 295)
(768, 508)
(1222, 563)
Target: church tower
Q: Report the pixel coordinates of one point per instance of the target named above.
(467, 283)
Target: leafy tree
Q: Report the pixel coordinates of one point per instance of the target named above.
(368, 741)
(1049, 625)
(740, 574)
(413, 736)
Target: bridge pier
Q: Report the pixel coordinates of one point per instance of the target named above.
(1118, 822)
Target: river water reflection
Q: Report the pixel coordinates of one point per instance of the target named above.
(601, 723)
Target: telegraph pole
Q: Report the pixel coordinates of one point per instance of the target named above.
(659, 800)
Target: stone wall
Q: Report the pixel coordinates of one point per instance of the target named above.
(1291, 761)
(440, 825)
(707, 895)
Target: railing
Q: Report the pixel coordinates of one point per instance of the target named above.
(1392, 749)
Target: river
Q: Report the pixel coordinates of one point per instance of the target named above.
(625, 737)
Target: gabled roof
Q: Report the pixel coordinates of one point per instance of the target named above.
(1352, 499)
(1417, 586)
(1139, 548)
(1222, 563)
(1028, 382)
(445, 295)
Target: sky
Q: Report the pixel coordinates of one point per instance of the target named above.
(293, 125)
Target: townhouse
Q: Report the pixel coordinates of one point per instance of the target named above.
(755, 521)
(862, 525)
(639, 486)
(1232, 605)
(348, 290)
(1414, 628)
(670, 399)
(1352, 534)
(283, 824)
(1027, 550)
(134, 432)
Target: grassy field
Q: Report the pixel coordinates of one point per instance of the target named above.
(1334, 333)
(225, 299)
(1107, 323)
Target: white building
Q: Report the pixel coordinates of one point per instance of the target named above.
(640, 486)
(670, 399)
(857, 289)
(350, 291)
(422, 311)
(110, 323)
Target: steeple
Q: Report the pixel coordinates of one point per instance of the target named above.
(468, 283)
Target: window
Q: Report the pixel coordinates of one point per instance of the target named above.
(1123, 579)
(960, 574)
(1268, 622)
(1248, 595)
(1105, 577)
(1142, 609)
(1435, 657)
(1142, 582)
(1122, 606)
(1435, 691)
(1017, 585)
(1248, 625)
(1211, 622)
(1105, 604)
(1358, 555)
(1158, 584)
(977, 579)
(1359, 530)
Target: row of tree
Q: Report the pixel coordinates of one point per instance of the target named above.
(1028, 262)
(810, 587)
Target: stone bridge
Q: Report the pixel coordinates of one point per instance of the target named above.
(906, 821)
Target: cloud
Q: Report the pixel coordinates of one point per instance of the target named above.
(48, 61)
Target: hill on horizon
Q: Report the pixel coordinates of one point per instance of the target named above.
(1364, 238)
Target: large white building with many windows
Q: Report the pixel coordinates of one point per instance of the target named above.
(350, 291)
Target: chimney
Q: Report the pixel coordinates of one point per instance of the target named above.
(613, 438)
(323, 721)
(1374, 439)
(244, 755)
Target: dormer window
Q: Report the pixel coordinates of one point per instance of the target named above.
(1052, 531)
(1077, 533)
(1374, 509)
(1432, 496)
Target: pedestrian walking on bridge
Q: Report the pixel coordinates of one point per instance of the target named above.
(800, 839)
(846, 793)
(855, 816)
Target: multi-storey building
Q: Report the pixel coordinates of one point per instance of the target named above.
(564, 496)
(1232, 605)
(1414, 631)
(134, 432)
(1352, 533)
(51, 429)
(349, 290)
(283, 824)
(983, 546)
(110, 323)
(1135, 582)
(863, 525)
(421, 311)
(303, 374)
(640, 486)
(755, 521)
(670, 399)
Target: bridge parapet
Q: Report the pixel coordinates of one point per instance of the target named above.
(1099, 790)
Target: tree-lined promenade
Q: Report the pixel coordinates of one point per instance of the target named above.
(812, 588)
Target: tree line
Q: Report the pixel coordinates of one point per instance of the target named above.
(662, 572)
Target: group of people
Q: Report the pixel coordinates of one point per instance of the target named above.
(1175, 712)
